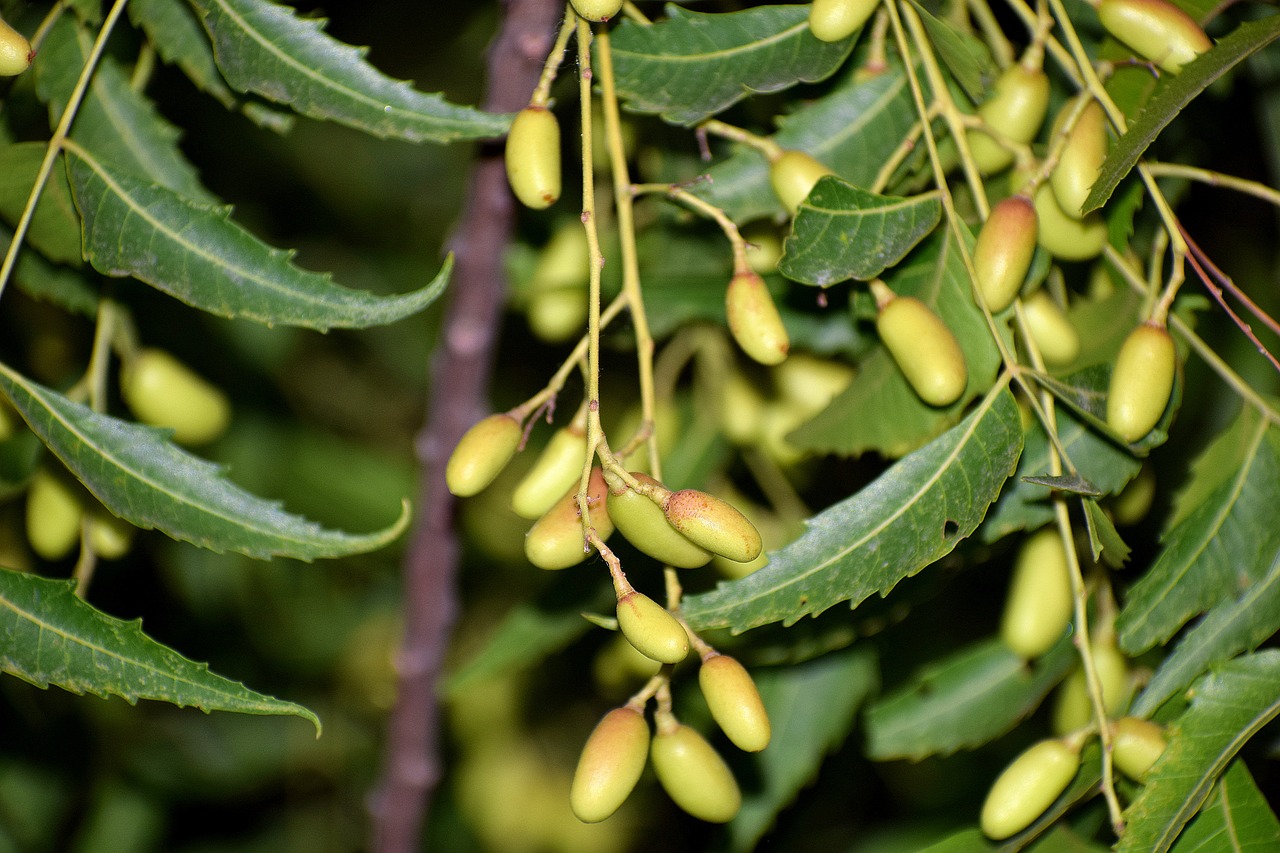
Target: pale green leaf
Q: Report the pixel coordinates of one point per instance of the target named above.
(55, 227)
(50, 636)
(911, 516)
(195, 253)
(1236, 819)
(151, 483)
(265, 48)
(965, 55)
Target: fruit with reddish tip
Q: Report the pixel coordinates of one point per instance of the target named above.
(1004, 249)
(712, 524)
(1156, 30)
(610, 764)
(556, 540)
(645, 525)
(734, 701)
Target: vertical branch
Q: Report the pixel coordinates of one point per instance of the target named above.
(460, 372)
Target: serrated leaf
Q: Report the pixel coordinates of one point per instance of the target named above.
(1228, 707)
(56, 223)
(1224, 545)
(195, 253)
(50, 636)
(265, 48)
(842, 232)
(965, 55)
(911, 516)
(141, 477)
(691, 65)
(1172, 95)
(962, 701)
(804, 731)
(1104, 540)
(1236, 818)
(57, 285)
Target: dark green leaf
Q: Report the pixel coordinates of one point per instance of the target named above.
(1070, 483)
(965, 55)
(965, 841)
(1236, 818)
(55, 225)
(1104, 539)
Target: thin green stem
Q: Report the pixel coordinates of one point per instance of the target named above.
(1216, 179)
(542, 92)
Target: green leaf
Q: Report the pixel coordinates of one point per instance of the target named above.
(911, 516)
(57, 285)
(1224, 545)
(962, 701)
(1172, 96)
(54, 228)
(150, 483)
(1236, 818)
(804, 731)
(964, 841)
(50, 636)
(692, 65)
(842, 232)
(1104, 540)
(965, 55)
(195, 253)
(265, 48)
(1227, 707)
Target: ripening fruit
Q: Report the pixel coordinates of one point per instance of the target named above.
(649, 627)
(1072, 709)
(1003, 252)
(1066, 237)
(713, 524)
(15, 51)
(620, 667)
(481, 454)
(164, 392)
(1081, 157)
(1156, 30)
(1141, 382)
(754, 319)
(836, 20)
(109, 537)
(1135, 745)
(694, 775)
(742, 409)
(54, 511)
(924, 349)
(610, 765)
(793, 175)
(557, 291)
(558, 467)
(1039, 606)
(735, 702)
(809, 384)
(1015, 110)
(1135, 499)
(645, 525)
(1051, 329)
(533, 157)
(1027, 787)
(596, 10)
(556, 541)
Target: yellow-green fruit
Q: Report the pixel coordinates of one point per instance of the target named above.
(610, 765)
(109, 536)
(713, 524)
(1072, 708)
(620, 667)
(735, 703)
(1003, 252)
(1134, 501)
(1081, 157)
(557, 301)
(809, 384)
(1064, 236)
(1039, 605)
(1156, 30)
(558, 467)
(694, 775)
(754, 319)
(1027, 787)
(54, 511)
(1141, 382)
(556, 541)
(1136, 745)
(764, 247)
(164, 392)
(533, 157)
(924, 349)
(481, 454)
(645, 525)
(741, 409)
(651, 629)
(15, 51)
(1054, 334)
(1015, 110)
(596, 10)
(793, 175)
(836, 20)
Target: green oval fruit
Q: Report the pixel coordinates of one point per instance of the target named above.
(651, 629)
(741, 409)
(809, 384)
(1065, 237)
(754, 320)
(793, 175)
(596, 10)
(1051, 329)
(713, 524)
(924, 349)
(735, 703)
(109, 537)
(1003, 252)
(1081, 157)
(1015, 110)
(1135, 500)
(533, 157)
(694, 775)
(15, 51)
(1136, 745)
(1156, 30)
(1039, 605)
(1141, 382)
(481, 454)
(610, 765)
(557, 468)
(1072, 709)
(836, 20)
(557, 292)
(618, 667)
(556, 540)
(645, 525)
(54, 511)
(164, 392)
(1027, 787)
